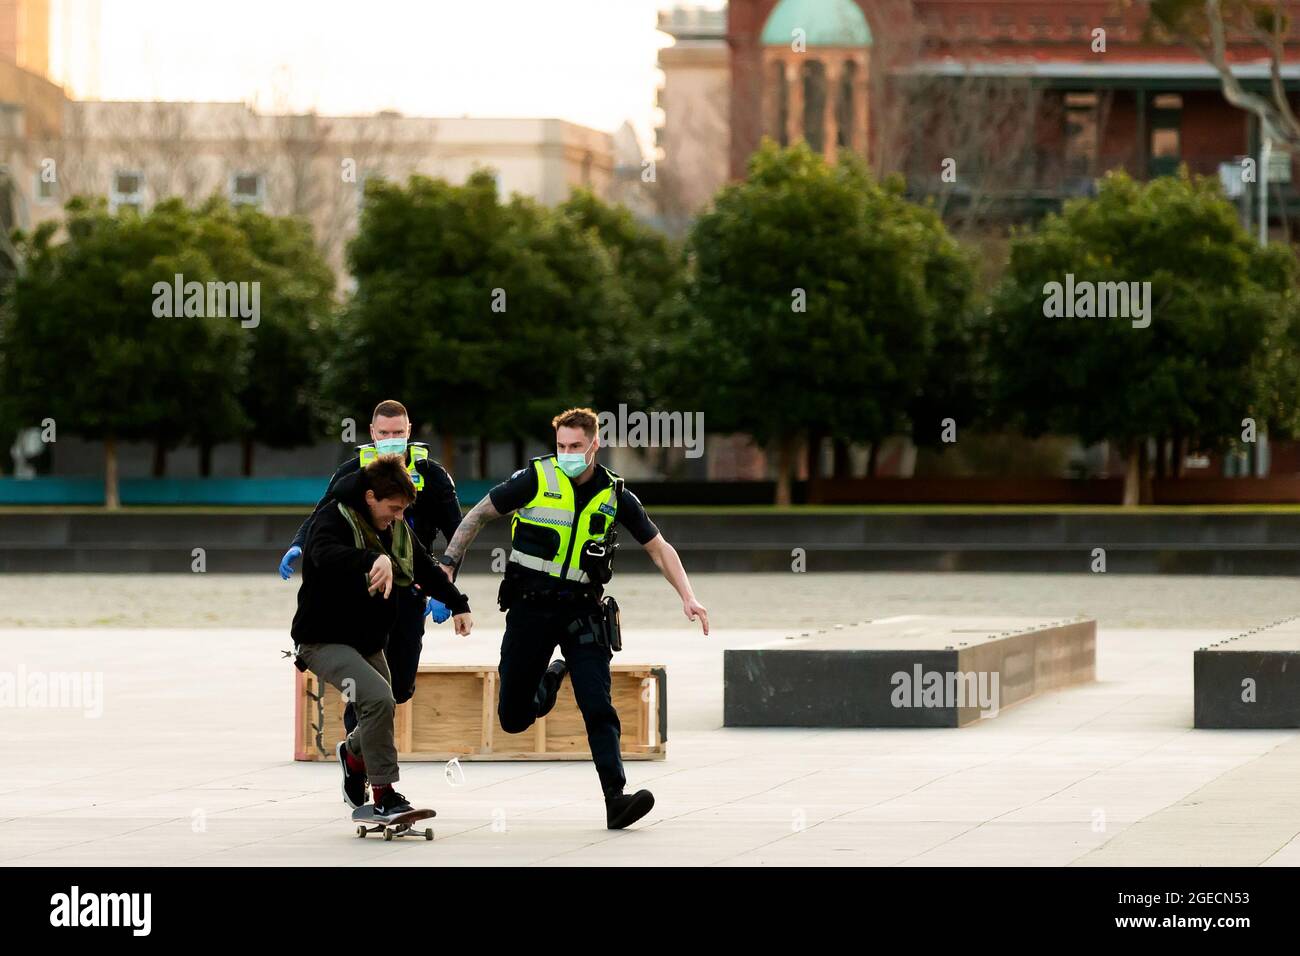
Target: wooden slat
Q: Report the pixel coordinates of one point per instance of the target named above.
(453, 714)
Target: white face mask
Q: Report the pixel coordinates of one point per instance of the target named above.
(390, 446)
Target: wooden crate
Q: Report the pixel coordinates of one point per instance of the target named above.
(453, 714)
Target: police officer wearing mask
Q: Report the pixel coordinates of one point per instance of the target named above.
(436, 509)
(562, 534)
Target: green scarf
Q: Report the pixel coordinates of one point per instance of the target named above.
(402, 552)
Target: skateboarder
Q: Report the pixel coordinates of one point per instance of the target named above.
(436, 511)
(359, 553)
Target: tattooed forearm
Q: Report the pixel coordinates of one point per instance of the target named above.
(478, 516)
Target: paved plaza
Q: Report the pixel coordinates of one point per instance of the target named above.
(184, 755)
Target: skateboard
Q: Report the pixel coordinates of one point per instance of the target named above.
(399, 825)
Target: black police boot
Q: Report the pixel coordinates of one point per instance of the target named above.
(622, 810)
(552, 680)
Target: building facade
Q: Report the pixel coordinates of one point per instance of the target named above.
(1023, 103)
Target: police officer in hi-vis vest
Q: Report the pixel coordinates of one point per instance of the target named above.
(436, 509)
(562, 535)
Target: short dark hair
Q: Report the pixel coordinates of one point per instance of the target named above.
(387, 477)
(389, 408)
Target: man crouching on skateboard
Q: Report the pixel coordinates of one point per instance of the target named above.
(358, 553)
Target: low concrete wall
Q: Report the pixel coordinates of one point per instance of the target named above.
(1243, 543)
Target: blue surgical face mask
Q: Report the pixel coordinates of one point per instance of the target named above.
(572, 464)
(390, 446)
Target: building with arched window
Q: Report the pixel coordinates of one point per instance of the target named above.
(1027, 102)
(815, 59)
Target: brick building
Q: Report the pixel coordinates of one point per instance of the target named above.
(1030, 100)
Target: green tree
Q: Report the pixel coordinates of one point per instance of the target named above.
(282, 394)
(651, 270)
(483, 315)
(82, 342)
(814, 303)
(1218, 306)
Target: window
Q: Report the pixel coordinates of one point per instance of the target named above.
(46, 191)
(844, 105)
(127, 191)
(1080, 134)
(247, 189)
(780, 104)
(814, 104)
(1166, 144)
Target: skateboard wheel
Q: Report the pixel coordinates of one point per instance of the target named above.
(361, 831)
(388, 835)
(428, 833)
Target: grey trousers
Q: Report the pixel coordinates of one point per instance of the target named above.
(366, 683)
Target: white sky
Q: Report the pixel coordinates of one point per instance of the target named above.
(589, 61)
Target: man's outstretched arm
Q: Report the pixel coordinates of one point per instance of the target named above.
(470, 525)
(665, 557)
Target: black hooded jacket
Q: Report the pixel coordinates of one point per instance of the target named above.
(334, 603)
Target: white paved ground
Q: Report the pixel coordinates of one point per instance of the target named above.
(189, 763)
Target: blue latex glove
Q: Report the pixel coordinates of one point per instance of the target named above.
(286, 563)
(437, 610)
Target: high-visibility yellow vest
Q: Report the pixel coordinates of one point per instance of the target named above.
(547, 535)
(414, 452)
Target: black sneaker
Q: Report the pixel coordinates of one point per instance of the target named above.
(354, 781)
(622, 810)
(391, 803)
(553, 678)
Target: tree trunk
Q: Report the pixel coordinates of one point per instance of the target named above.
(1137, 483)
(873, 457)
(519, 452)
(785, 469)
(813, 457)
(843, 466)
(205, 460)
(246, 457)
(112, 501)
(1144, 475)
(449, 454)
(159, 460)
(482, 457)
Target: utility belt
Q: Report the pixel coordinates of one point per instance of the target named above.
(601, 626)
(595, 618)
(518, 590)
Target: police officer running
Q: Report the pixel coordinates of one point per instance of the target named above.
(436, 509)
(562, 537)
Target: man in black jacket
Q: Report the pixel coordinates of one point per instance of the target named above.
(436, 510)
(359, 551)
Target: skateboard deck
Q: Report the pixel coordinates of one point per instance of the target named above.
(394, 826)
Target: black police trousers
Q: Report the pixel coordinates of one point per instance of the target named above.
(405, 642)
(533, 629)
